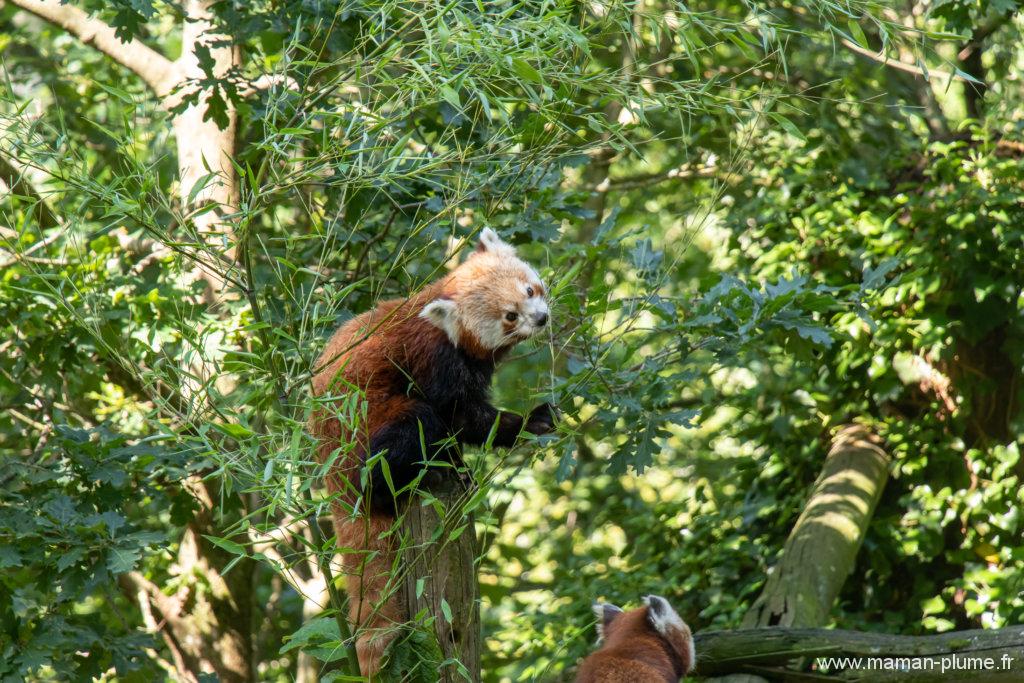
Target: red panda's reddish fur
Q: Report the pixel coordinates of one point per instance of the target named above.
(638, 647)
(357, 354)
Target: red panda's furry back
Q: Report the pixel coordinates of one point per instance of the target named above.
(650, 644)
(421, 369)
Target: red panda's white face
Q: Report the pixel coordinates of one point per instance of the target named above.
(493, 300)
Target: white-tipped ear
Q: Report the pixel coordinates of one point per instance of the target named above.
(661, 615)
(669, 625)
(492, 244)
(605, 613)
(443, 314)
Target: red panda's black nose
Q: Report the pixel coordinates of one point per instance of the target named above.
(541, 319)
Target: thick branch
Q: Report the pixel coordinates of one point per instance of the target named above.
(158, 72)
(786, 653)
(823, 545)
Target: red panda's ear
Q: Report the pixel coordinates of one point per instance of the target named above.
(660, 614)
(444, 315)
(492, 244)
(605, 613)
(670, 626)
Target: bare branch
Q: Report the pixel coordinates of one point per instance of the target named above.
(179, 667)
(12, 257)
(684, 172)
(170, 627)
(158, 72)
(885, 60)
(263, 542)
(16, 182)
(268, 82)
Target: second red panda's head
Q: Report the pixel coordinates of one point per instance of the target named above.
(491, 301)
(630, 631)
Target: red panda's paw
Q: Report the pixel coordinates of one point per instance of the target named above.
(542, 419)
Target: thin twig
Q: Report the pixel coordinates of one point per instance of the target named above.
(885, 60)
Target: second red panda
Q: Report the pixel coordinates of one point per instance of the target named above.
(650, 644)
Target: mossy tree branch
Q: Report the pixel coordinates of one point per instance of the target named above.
(822, 547)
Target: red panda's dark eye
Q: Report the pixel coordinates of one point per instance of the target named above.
(511, 317)
(529, 291)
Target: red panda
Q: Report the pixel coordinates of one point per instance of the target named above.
(422, 366)
(650, 644)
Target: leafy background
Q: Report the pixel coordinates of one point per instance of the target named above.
(752, 234)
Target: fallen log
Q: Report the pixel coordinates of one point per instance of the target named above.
(814, 654)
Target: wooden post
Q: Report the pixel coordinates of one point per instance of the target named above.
(439, 558)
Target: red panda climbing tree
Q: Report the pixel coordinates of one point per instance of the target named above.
(402, 387)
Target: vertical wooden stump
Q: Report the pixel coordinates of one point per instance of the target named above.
(444, 571)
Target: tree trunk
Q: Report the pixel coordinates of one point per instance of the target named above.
(441, 569)
(822, 547)
(954, 656)
(203, 147)
(207, 624)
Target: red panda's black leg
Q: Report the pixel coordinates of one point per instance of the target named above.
(476, 423)
(411, 442)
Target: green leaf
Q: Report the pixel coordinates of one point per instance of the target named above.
(226, 544)
(313, 632)
(787, 125)
(857, 33)
(526, 71)
(10, 557)
(235, 430)
(122, 95)
(450, 96)
(446, 609)
(121, 560)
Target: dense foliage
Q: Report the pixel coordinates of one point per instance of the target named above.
(753, 231)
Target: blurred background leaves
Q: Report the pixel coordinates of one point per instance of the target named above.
(757, 222)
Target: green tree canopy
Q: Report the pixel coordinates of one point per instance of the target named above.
(758, 222)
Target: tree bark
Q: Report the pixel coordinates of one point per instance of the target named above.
(822, 547)
(209, 628)
(440, 569)
(203, 147)
(823, 544)
(772, 652)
